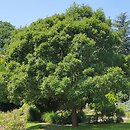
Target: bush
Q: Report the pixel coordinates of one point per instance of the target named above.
(62, 117)
(81, 117)
(119, 120)
(24, 108)
(33, 114)
(127, 114)
(48, 117)
(120, 112)
(12, 120)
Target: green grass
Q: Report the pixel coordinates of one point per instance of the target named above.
(41, 126)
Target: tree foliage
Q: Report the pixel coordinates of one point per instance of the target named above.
(122, 25)
(5, 33)
(71, 57)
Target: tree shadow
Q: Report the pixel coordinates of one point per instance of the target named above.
(37, 127)
(48, 127)
(98, 126)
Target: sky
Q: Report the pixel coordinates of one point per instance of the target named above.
(23, 12)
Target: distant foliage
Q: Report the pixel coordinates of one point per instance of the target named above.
(5, 33)
(122, 25)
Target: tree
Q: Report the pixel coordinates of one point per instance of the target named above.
(5, 33)
(3, 86)
(122, 25)
(5, 74)
(106, 88)
(53, 58)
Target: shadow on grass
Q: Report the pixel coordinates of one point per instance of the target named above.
(122, 126)
(42, 126)
(37, 127)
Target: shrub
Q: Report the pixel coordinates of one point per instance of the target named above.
(48, 117)
(120, 112)
(81, 117)
(119, 120)
(24, 108)
(61, 117)
(33, 114)
(127, 114)
(12, 120)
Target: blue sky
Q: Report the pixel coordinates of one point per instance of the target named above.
(23, 12)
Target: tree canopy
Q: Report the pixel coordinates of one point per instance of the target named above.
(71, 57)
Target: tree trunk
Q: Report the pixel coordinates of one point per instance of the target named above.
(74, 118)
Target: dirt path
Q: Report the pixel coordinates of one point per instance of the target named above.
(1, 128)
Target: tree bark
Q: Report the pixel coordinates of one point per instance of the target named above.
(74, 118)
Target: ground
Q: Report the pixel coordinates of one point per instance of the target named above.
(1, 128)
(41, 126)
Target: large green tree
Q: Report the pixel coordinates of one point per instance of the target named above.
(55, 57)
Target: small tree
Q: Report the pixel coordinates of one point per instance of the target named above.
(106, 89)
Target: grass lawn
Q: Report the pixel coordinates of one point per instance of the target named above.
(41, 126)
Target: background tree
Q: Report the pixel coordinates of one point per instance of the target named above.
(122, 25)
(5, 33)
